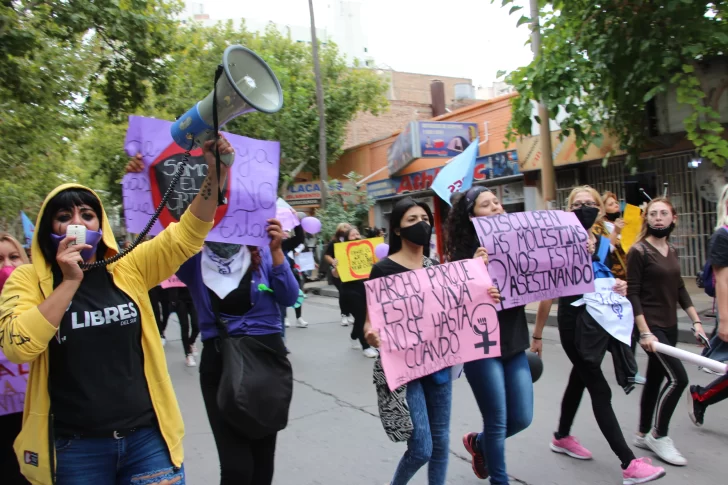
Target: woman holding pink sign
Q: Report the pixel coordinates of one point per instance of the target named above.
(502, 386)
(429, 398)
(13, 381)
(587, 205)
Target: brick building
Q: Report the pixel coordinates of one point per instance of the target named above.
(409, 100)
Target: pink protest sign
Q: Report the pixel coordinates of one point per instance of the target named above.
(433, 318)
(13, 381)
(251, 188)
(172, 282)
(536, 255)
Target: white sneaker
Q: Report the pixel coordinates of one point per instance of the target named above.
(371, 352)
(708, 371)
(350, 318)
(190, 361)
(639, 442)
(665, 449)
(288, 324)
(164, 341)
(344, 321)
(301, 323)
(355, 344)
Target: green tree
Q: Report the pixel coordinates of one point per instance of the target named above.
(603, 61)
(352, 208)
(199, 51)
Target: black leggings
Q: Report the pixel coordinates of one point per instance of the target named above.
(160, 305)
(353, 294)
(10, 425)
(586, 375)
(343, 304)
(655, 396)
(301, 281)
(187, 319)
(242, 461)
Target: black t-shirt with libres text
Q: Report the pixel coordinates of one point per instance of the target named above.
(97, 380)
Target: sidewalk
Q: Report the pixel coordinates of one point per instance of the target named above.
(703, 304)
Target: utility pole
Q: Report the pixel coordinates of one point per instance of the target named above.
(323, 167)
(548, 176)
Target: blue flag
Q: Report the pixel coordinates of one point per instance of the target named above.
(28, 228)
(457, 175)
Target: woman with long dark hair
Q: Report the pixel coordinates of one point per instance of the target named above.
(502, 386)
(12, 255)
(655, 288)
(586, 204)
(98, 378)
(429, 398)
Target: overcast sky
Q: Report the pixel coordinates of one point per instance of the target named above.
(468, 38)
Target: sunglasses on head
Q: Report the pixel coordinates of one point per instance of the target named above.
(472, 195)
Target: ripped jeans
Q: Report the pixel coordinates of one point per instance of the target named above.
(142, 458)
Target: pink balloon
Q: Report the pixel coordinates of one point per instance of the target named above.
(311, 225)
(382, 250)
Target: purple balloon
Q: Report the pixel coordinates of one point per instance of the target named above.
(311, 225)
(382, 250)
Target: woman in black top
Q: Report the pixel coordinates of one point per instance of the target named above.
(502, 386)
(339, 236)
(586, 204)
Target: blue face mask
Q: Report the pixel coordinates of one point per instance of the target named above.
(93, 238)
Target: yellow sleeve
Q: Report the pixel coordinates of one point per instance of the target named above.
(158, 259)
(24, 331)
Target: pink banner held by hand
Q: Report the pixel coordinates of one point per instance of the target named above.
(172, 282)
(433, 318)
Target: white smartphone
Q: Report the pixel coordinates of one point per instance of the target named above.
(79, 232)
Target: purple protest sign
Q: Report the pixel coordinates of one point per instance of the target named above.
(13, 381)
(251, 188)
(536, 255)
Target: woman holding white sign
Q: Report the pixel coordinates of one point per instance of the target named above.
(586, 204)
(502, 386)
(655, 286)
(429, 397)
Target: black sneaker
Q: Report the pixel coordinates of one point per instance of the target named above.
(479, 467)
(696, 409)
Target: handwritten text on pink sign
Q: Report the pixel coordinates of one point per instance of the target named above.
(536, 255)
(433, 318)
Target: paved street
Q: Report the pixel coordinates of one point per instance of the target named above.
(335, 438)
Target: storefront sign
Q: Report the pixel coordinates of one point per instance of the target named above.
(564, 151)
(502, 164)
(309, 193)
(429, 139)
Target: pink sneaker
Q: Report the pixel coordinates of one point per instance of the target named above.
(570, 446)
(640, 470)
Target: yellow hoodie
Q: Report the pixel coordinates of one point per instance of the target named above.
(25, 333)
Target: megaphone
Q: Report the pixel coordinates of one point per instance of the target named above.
(247, 84)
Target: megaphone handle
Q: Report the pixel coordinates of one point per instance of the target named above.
(220, 197)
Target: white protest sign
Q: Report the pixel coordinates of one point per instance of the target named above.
(305, 262)
(610, 310)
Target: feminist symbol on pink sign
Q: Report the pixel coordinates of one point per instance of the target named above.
(433, 318)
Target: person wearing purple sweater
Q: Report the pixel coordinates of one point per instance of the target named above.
(246, 285)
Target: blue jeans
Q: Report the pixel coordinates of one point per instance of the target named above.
(504, 392)
(429, 405)
(142, 458)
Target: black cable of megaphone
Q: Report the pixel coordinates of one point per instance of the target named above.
(173, 183)
(148, 227)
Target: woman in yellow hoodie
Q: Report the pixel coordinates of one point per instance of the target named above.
(99, 407)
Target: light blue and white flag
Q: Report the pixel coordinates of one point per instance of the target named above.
(457, 175)
(28, 228)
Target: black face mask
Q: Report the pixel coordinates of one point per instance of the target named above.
(223, 250)
(417, 234)
(660, 232)
(587, 216)
(613, 216)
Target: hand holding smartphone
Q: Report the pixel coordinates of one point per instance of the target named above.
(78, 231)
(701, 338)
